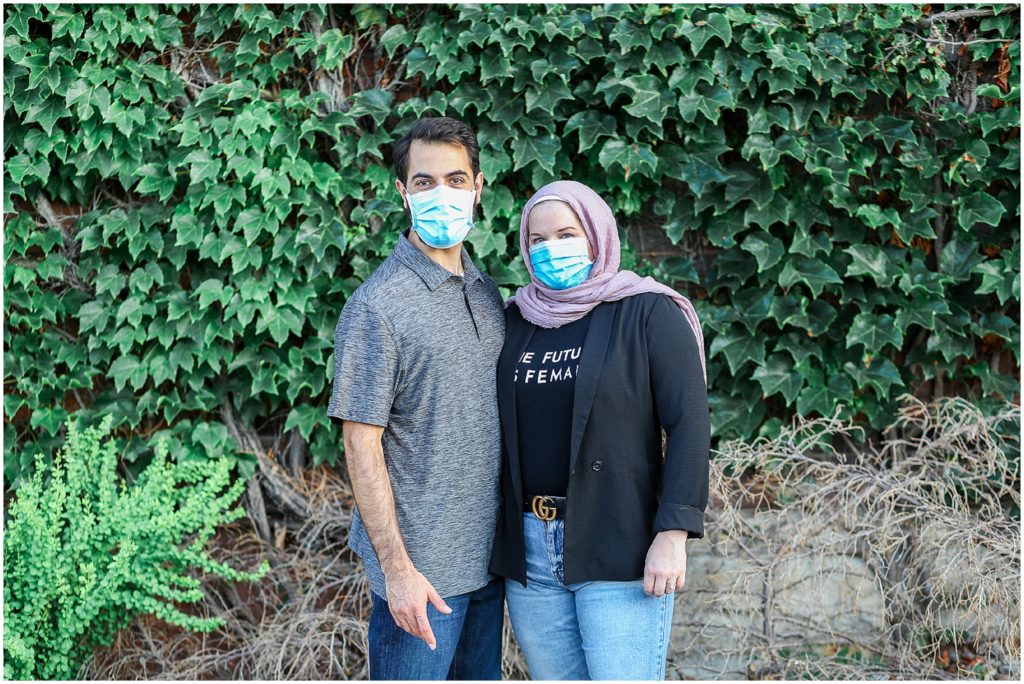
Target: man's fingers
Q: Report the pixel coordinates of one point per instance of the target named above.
(438, 602)
(425, 632)
(403, 622)
(659, 585)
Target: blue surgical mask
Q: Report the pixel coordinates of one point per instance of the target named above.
(561, 263)
(442, 216)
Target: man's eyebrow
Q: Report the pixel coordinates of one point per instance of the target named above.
(420, 174)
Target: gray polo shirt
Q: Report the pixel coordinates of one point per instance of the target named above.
(416, 351)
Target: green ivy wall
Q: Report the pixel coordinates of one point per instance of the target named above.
(191, 192)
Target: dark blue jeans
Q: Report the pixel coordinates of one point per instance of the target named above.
(468, 639)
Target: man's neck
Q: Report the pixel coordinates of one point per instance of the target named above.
(449, 259)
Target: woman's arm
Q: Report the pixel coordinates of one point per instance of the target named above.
(681, 402)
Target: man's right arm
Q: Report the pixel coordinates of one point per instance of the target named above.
(372, 489)
(407, 589)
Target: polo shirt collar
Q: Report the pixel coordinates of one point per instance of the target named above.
(431, 272)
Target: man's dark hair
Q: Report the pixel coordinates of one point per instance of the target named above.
(437, 129)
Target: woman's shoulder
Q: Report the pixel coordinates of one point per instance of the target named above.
(646, 302)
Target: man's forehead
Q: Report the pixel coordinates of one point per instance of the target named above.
(438, 154)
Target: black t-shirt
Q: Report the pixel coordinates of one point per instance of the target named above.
(545, 383)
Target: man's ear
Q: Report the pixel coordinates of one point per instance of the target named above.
(402, 192)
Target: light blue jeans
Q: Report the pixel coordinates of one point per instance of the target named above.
(584, 630)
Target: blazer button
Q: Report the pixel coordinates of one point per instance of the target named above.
(597, 465)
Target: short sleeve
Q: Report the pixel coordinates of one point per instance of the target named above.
(366, 367)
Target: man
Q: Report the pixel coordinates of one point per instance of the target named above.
(416, 350)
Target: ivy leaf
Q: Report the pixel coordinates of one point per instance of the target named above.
(815, 318)
(739, 346)
(632, 157)
(305, 418)
(874, 332)
(541, 149)
(822, 396)
(709, 104)
(212, 290)
(766, 248)
(921, 310)
(959, 257)
(127, 369)
(254, 222)
(876, 217)
(630, 37)
(375, 103)
(879, 372)
(997, 277)
(394, 37)
(814, 273)
(131, 311)
(94, 315)
(778, 376)
(279, 321)
(648, 102)
(203, 167)
(716, 25)
(872, 261)
(487, 242)
(891, 130)
(46, 113)
(156, 179)
(703, 169)
(748, 183)
(735, 415)
(336, 48)
(545, 96)
(21, 167)
(979, 207)
(591, 125)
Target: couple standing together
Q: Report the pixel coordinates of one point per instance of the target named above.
(515, 451)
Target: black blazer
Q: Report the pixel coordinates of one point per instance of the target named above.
(639, 372)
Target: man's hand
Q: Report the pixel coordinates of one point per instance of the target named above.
(407, 593)
(665, 568)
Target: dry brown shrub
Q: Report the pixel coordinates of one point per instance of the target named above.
(925, 515)
(924, 521)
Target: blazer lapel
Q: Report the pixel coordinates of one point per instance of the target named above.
(518, 336)
(591, 362)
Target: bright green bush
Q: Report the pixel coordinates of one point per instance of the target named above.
(84, 551)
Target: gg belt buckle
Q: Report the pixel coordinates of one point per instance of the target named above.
(542, 509)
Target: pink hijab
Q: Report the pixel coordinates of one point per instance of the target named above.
(550, 308)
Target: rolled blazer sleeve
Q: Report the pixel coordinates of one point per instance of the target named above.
(681, 402)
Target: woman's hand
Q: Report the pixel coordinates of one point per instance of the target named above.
(665, 568)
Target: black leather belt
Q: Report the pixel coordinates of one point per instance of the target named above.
(545, 507)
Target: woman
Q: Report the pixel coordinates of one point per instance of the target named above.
(596, 363)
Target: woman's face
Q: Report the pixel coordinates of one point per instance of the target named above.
(554, 220)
